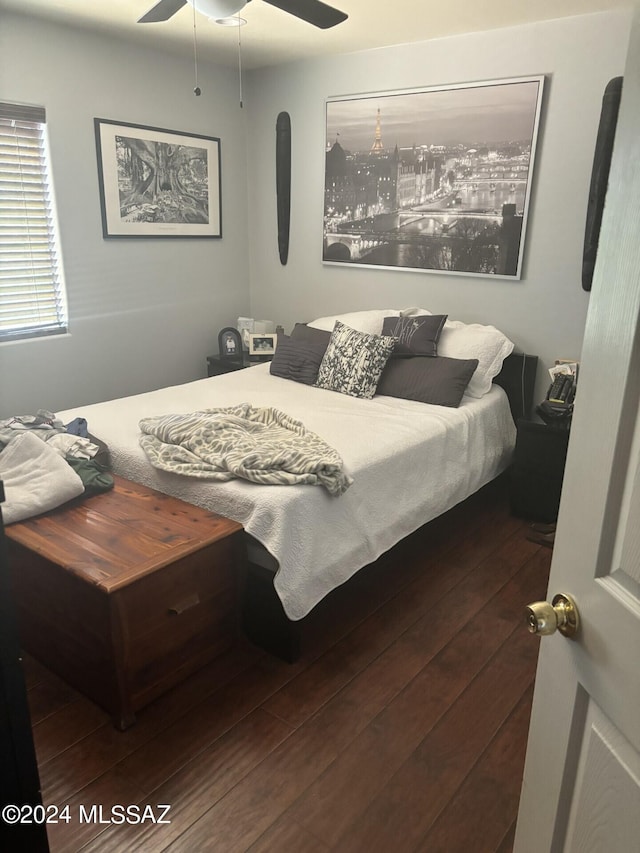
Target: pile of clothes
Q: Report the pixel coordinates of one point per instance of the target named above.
(45, 463)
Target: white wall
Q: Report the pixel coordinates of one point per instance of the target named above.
(144, 313)
(544, 312)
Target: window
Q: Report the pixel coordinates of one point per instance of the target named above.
(32, 298)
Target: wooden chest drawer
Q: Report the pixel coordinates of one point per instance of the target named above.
(156, 660)
(177, 619)
(176, 592)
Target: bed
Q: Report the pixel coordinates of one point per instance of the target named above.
(409, 462)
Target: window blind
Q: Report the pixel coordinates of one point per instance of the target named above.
(32, 298)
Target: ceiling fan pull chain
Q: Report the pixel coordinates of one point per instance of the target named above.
(196, 88)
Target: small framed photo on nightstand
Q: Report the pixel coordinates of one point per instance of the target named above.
(230, 343)
(262, 344)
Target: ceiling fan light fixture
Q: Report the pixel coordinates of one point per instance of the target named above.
(218, 9)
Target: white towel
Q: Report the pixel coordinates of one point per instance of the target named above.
(36, 478)
(74, 446)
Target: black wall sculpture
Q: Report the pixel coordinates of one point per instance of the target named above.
(283, 182)
(600, 177)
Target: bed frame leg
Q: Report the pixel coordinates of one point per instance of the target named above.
(263, 618)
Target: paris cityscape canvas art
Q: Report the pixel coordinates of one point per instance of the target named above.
(436, 179)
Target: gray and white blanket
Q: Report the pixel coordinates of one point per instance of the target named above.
(263, 445)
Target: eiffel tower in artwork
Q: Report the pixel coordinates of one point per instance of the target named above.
(377, 148)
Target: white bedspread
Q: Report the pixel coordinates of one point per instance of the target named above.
(409, 461)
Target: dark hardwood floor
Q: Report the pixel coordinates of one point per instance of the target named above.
(403, 726)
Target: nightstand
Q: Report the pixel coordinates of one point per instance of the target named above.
(537, 470)
(217, 365)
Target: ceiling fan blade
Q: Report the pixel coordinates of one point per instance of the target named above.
(312, 11)
(162, 11)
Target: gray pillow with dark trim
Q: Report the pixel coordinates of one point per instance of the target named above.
(439, 380)
(415, 335)
(297, 360)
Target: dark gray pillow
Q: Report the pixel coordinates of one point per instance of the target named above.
(302, 332)
(415, 335)
(297, 360)
(439, 380)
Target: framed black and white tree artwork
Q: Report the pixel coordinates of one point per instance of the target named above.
(157, 183)
(436, 179)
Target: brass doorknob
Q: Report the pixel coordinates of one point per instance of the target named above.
(561, 614)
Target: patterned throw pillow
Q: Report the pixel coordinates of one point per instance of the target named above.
(354, 361)
(415, 335)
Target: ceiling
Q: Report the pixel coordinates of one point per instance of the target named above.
(272, 37)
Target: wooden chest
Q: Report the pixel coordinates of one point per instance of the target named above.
(127, 593)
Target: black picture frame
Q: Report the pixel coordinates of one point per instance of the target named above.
(230, 344)
(155, 182)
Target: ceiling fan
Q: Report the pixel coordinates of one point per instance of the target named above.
(312, 11)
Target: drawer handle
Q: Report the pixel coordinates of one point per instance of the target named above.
(187, 604)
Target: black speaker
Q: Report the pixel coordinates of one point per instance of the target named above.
(600, 176)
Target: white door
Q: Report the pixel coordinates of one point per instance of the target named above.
(581, 789)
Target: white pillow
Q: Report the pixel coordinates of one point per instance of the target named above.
(414, 312)
(363, 321)
(471, 340)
